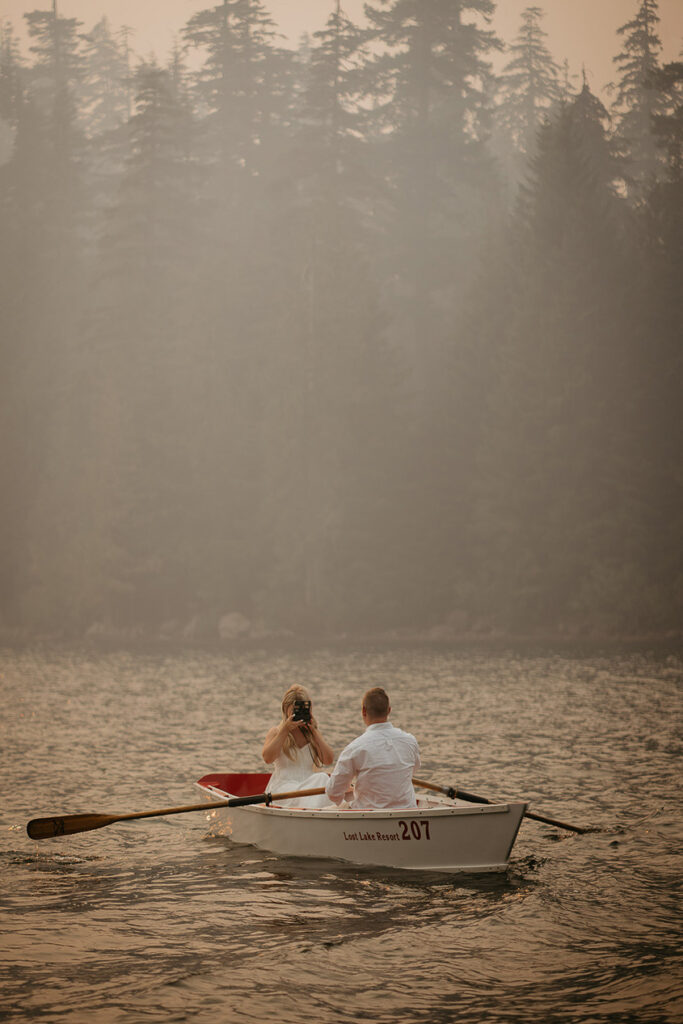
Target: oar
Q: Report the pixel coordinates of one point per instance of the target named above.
(68, 824)
(462, 795)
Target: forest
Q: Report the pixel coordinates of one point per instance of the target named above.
(373, 334)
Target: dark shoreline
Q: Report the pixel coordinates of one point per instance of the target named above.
(538, 643)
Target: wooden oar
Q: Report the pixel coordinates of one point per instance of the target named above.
(67, 825)
(471, 798)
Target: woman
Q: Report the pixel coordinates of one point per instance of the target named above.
(295, 750)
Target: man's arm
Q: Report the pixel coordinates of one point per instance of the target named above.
(342, 777)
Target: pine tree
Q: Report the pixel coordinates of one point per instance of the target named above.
(104, 88)
(54, 81)
(560, 534)
(668, 122)
(124, 36)
(567, 83)
(43, 208)
(242, 93)
(11, 64)
(236, 82)
(330, 121)
(637, 100)
(106, 104)
(326, 431)
(430, 83)
(434, 61)
(23, 182)
(159, 173)
(660, 315)
(529, 83)
(140, 367)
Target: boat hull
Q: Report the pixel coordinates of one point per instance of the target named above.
(438, 835)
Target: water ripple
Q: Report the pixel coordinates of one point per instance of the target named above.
(163, 920)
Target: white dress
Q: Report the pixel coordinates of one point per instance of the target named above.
(299, 774)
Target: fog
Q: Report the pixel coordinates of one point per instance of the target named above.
(357, 338)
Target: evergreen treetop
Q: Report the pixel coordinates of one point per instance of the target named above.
(434, 63)
(637, 100)
(529, 82)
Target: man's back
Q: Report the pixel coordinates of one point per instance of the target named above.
(382, 760)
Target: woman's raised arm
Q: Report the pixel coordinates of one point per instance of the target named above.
(275, 739)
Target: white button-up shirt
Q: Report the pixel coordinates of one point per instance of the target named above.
(382, 761)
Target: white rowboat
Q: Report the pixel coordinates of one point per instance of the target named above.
(439, 835)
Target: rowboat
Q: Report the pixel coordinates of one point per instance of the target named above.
(440, 834)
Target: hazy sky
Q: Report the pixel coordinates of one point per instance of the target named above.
(570, 33)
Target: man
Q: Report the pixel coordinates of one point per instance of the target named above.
(382, 761)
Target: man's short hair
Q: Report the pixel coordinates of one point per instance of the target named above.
(376, 702)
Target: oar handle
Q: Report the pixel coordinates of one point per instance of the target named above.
(268, 798)
(471, 798)
(452, 792)
(447, 790)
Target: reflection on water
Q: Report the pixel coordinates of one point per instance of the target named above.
(161, 920)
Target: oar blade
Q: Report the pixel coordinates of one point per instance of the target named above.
(67, 825)
(555, 822)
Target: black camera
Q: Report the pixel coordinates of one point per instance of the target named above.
(302, 711)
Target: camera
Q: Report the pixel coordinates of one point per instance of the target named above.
(302, 711)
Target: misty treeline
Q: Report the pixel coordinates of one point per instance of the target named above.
(348, 337)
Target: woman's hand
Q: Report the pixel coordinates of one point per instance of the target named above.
(289, 725)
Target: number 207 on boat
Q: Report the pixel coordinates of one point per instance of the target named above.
(409, 830)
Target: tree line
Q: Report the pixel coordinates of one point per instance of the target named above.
(348, 337)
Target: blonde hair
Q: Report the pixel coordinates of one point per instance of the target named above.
(289, 747)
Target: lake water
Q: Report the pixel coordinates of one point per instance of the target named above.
(163, 920)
